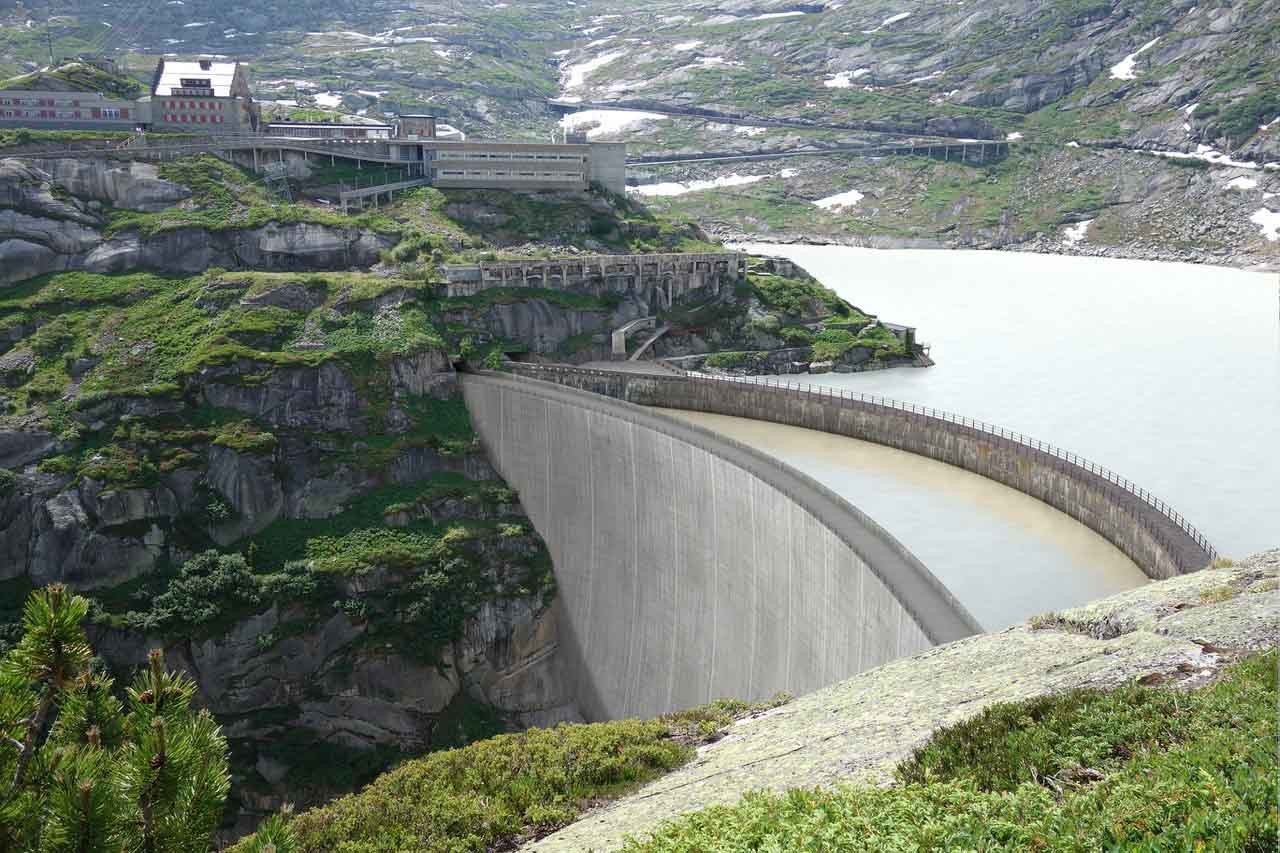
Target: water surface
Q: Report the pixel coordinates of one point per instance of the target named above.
(1006, 556)
(1168, 374)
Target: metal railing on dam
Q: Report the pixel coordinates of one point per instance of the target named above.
(689, 566)
(1154, 535)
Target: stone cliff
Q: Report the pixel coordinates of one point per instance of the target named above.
(233, 422)
(431, 617)
(54, 216)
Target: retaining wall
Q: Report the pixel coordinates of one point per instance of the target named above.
(1152, 534)
(690, 567)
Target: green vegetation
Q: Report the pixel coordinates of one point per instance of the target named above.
(8, 482)
(1241, 119)
(1132, 769)
(796, 298)
(83, 771)
(728, 360)
(482, 222)
(145, 332)
(76, 77)
(491, 793)
(226, 197)
(14, 137)
(211, 591)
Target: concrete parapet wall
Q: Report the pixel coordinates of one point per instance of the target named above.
(690, 567)
(1150, 533)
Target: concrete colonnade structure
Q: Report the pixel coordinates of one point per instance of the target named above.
(690, 567)
(671, 275)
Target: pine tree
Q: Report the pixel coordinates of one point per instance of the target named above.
(81, 771)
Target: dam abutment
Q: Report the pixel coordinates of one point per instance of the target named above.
(690, 567)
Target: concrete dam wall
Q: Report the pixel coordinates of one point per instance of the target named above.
(1159, 540)
(690, 567)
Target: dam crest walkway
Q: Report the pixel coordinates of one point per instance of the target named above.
(1159, 539)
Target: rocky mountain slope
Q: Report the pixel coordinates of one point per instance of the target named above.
(232, 421)
(1189, 78)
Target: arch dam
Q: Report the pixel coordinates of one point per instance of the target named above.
(691, 567)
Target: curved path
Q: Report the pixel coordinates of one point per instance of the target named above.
(691, 567)
(1156, 537)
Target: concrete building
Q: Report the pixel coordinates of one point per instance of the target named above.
(328, 130)
(202, 95)
(71, 110)
(516, 165)
(210, 97)
(78, 94)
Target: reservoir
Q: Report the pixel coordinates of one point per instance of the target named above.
(1168, 374)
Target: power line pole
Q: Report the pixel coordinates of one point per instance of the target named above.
(48, 31)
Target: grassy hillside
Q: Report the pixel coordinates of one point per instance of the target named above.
(1134, 768)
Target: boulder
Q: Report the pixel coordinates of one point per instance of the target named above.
(294, 296)
(16, 367)
(114, 507)
(128, 185)
(25, 188)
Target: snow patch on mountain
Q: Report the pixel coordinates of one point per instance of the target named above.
(1126, 69)
(598, 123)
(1073, 234)
(575, 76)
(888, 22)
(840, 200)
(1268, 221)
(675, 188)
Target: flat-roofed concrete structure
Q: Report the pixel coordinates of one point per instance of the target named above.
(71, 110)
(328, 130)
(516, 165)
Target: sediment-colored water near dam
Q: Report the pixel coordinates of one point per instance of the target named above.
(1006, 556)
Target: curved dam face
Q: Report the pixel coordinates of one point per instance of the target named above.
(690, 567)
(1159, 540)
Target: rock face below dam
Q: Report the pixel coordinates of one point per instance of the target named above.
(690, 567)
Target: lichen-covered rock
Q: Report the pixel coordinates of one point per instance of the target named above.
(115, 507)
(426, 373)
(16, 367)
(19, 447)
(249, 484)
(1180, 631)
(69, 548)
(318, 399)
(534, 322)
(124, 185)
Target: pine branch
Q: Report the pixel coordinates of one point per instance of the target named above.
(35, 724)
